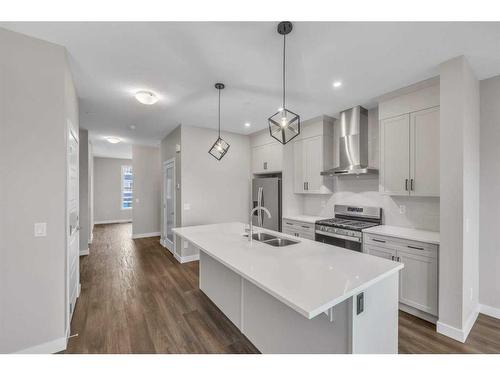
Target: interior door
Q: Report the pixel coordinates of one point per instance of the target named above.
(395, 155)
(169, 204)
(73, 241)
(424, 167)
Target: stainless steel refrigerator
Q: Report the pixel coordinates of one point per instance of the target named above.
(267, 191)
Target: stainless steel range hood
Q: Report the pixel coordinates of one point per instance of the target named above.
(353, 144)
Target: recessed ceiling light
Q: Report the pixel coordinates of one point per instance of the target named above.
(280, 109)
(337, 84)
(247, 124)
(113, 140)
(132, 127)
(146, 97)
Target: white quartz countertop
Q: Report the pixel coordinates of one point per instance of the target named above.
(305, 218)
(405, 233)
(310, 277)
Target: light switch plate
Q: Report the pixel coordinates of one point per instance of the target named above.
(402, 209)
(40, 229)
(187, 206)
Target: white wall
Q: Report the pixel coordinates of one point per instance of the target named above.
(107, 190)
(37, 99)
(489, 254)
(84, 190)
(147, 190)
(422, 213)
(216, 191)
(459, 153)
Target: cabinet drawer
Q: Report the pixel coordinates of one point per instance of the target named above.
(416, 247)
(302, 229)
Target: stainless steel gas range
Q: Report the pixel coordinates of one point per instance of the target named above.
(345, 228)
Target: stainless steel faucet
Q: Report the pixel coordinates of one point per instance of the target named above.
(258, 208)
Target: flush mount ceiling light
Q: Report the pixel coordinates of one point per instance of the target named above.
(146, 97)
(220, 147)
(113, 140)
(284, 125)
(337, 84)
(247, 124)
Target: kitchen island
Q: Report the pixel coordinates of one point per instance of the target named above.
(308, 297)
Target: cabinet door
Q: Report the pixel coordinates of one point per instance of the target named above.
(395, 155)
(418, 282)
(274, 157)
(313, 157)
(258, 155)
(379, 252)
(298, 167)
(424, 153)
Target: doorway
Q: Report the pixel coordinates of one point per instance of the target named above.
(72, 224)
(168, 203)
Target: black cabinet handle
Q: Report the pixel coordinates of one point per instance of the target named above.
(415, 247)
(305, 226)
(406, 184)
(411, 184)
(374, 239)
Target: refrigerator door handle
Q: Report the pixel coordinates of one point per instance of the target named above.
(259, 204)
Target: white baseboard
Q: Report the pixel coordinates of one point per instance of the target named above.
(494, 312)
(188, 258)
(145, 235)
(117, 221)
(84, 252)
(50, 347)
(164, 244)
(457, 333)
(418, 313)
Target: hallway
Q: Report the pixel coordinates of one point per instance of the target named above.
(136, 298)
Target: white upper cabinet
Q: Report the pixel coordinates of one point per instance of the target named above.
(267, 158)
(313, 153)
(395, 155)
(424, 151)
(409, 144)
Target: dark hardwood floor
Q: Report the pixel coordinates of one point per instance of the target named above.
(136, 298)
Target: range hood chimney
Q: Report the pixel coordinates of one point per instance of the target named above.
(353, 144)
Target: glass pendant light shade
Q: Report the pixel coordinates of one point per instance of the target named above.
(220, 147)
(284, 125)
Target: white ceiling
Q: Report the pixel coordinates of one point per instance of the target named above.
(182, 61)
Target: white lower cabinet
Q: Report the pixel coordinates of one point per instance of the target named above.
(418, 281)
(299, 229)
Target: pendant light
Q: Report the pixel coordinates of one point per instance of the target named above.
(220, 147)
(284, 125)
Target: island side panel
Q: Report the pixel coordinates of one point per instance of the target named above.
(375, 330)
(222, 286)
(274, 327)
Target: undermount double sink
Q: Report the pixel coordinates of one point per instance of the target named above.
(272, 240)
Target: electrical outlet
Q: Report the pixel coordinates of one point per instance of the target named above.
(323, 204)
(40, 229)
(185, 244)
(187, 206)
(402, 209)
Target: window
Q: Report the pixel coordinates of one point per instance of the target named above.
(127, 187)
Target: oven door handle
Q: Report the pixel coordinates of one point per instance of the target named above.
(348, 238)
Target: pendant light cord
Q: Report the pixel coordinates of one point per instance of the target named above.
(284, 59)
(219, 113)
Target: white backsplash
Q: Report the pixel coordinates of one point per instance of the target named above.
(420, 212)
